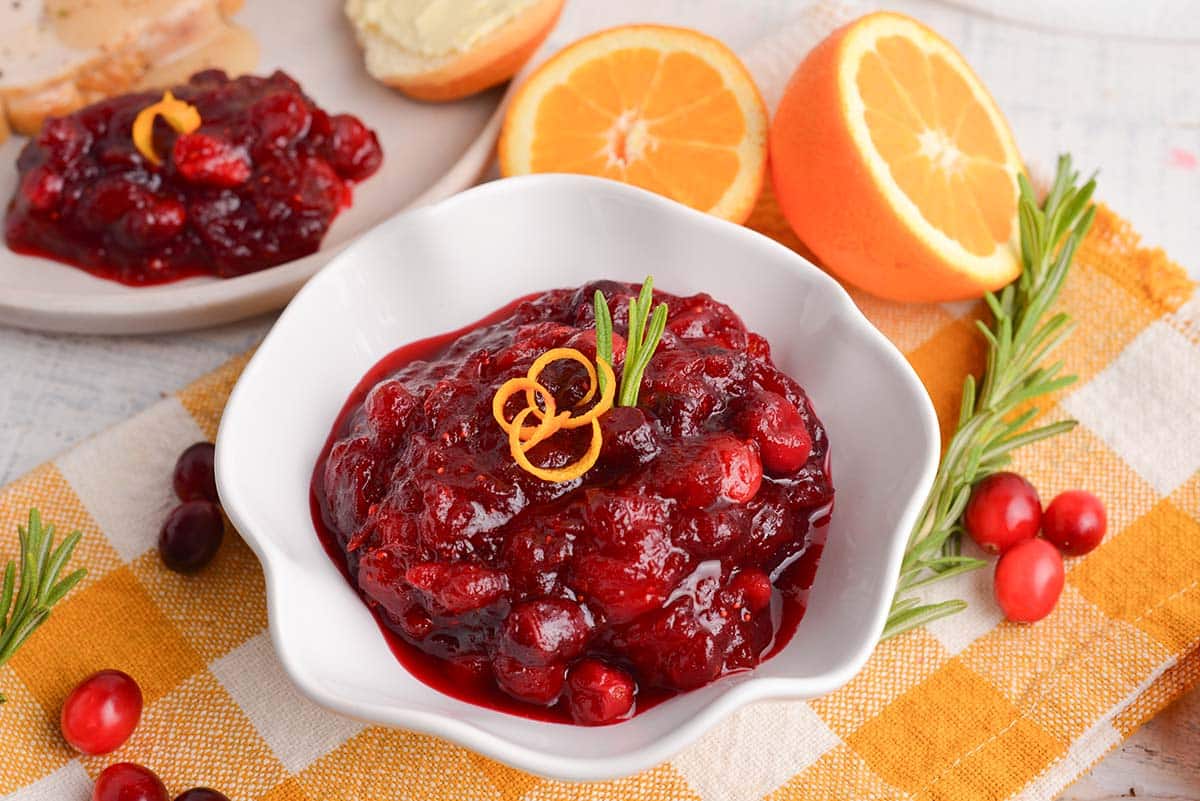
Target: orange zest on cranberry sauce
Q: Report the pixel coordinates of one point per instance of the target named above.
(523, 438)
(182, 116)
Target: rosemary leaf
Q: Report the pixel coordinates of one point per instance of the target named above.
(631, 378)
(604, 335)
(645, 331)
(39, 565)
(915, 617)
(1019, 338)
(6, 595)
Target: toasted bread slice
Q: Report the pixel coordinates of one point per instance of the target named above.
(59, 55)
(437, 50)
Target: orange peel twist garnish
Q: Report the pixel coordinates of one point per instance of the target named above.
(183, 117)
(523, 438)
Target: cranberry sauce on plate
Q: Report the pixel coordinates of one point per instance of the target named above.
(685, 554)
(257, 184)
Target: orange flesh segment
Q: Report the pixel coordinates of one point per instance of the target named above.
(634, 71)
(943, 150)
(649, 106)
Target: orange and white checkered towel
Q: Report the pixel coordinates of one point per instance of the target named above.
(966, 710)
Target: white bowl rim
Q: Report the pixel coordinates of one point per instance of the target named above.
(749, 687)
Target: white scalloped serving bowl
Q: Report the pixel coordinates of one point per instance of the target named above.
(441, 267)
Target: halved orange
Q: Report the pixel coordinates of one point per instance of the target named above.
(895, 167)
(667, 109)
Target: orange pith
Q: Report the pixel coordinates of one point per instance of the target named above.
(666, 109)
(894, 165)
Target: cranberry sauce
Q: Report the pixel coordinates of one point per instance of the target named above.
(256, 185)
(685, 554)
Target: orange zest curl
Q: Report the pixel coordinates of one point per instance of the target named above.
(183, 117)
(532, 388)
(523, 438)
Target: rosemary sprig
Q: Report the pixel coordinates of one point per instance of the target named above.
(604, 335)
(25, 604)
(989, 427)
(645, 331)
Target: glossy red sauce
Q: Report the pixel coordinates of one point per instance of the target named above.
(642, 572)
(258, 184)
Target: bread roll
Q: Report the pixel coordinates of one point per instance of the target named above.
(447, 49)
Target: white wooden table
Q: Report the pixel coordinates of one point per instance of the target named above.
(1129, 106)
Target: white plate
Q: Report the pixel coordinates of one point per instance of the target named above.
(430, 151)
(417, 275)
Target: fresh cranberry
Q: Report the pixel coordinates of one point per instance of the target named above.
(194, 477)
(101, 712)
(1075, 521)
(353, 149)
(544, 631)
(783, 439)
(533, 684)
(1029, 578)
(1004, 509)
(599, 693)
(202, 158)
(200, 794)
(127, 781)
(191, 536)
